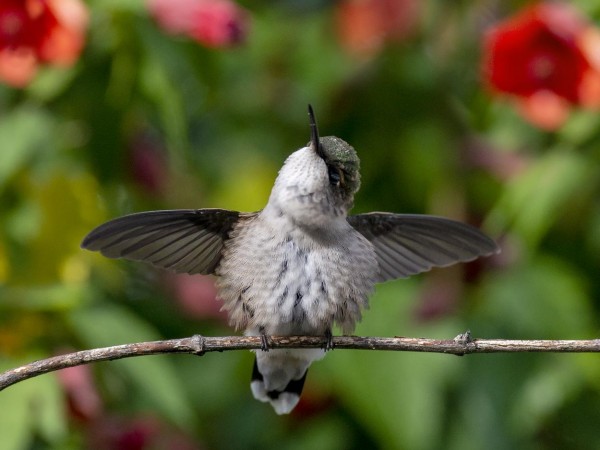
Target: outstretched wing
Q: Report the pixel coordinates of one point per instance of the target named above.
(180, 240)
(408, 244)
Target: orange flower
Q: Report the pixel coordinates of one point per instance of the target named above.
(548, 58)
(39, 31)
(364, 26)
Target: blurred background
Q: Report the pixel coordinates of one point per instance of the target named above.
(483, 111)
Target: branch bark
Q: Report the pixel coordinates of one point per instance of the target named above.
(462, 344)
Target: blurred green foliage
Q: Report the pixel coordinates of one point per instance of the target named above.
(149, 121)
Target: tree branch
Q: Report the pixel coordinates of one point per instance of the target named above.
(462, 344)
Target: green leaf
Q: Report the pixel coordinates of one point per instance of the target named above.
(542, 299)
(51, 82)
(36, 404)
(159, 82)
(120, 5)
(44, 297)
(392, 393)
(154, 376)
(546, 390)
(533, 201)
(23, 132)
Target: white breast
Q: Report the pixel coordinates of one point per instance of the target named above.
(282, 282)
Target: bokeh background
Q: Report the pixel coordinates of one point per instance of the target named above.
(484, 111)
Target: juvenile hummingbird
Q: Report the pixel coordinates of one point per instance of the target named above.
(299, 266)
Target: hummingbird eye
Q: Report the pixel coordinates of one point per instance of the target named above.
(335, 175)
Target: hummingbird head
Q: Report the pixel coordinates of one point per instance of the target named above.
(317, 183)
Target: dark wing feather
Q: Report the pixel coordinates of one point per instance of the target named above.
(184, 240)
(408, 244)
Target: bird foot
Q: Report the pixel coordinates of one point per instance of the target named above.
(328, 341)
(264, 342)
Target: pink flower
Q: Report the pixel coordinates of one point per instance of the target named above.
(82, 396)
(213, 23)
(547, 58)
(196, 295)
(39, 31)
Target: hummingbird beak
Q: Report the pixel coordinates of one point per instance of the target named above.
(314, 133)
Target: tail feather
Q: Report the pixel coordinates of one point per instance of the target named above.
(284, 400)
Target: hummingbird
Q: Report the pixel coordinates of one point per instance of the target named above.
(299, 266)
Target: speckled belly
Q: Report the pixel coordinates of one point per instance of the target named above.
(275, 283)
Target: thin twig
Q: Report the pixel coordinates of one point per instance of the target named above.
(462, 344)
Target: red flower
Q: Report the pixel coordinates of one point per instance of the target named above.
(39, 31)
(140, 432)
(148, 163)
(544, 57)
(213, 23)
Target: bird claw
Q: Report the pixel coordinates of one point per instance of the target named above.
(328, 341)
(264, 343)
